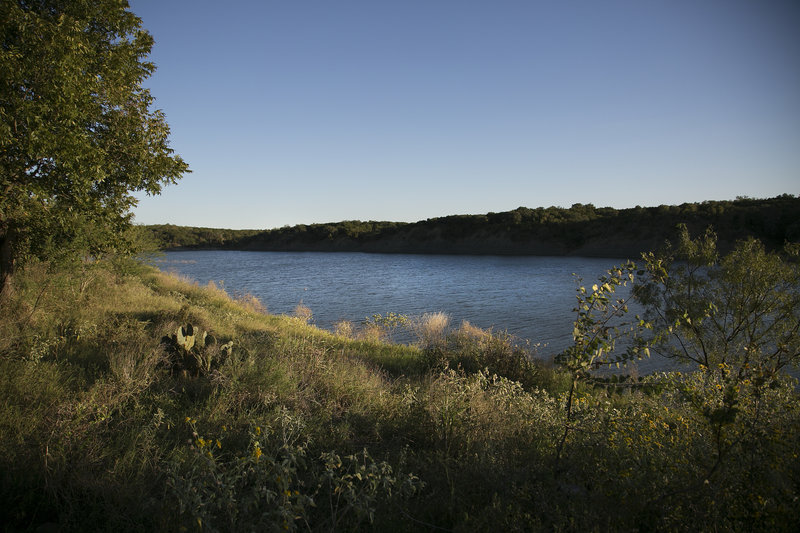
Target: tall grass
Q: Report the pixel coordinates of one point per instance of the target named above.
(431, 329)
(303, 313)
(303, 429)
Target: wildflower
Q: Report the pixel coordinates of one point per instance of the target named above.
(257, 453)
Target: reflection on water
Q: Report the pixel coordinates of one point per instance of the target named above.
(530, 297)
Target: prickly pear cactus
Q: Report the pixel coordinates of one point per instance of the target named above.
(193, 350)
(200, 340)
(227, 348)
(185, 337)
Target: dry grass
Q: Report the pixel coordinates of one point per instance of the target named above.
(303, 313)
(251, 303)
(343, 328)
(372, 333)
(469, 333)
(431, 329)
(134, 354)
(213, 288)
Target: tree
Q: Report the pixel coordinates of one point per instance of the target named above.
(77, 132)
(602, 321)
(737, 318)
(741, 311)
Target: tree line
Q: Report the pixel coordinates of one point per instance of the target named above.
(581, 229)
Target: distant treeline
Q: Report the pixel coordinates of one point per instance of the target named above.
(170, 236)
(583, 230)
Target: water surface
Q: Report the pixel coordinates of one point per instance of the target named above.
(530, 297)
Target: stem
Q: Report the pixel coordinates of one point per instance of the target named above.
(569, 419)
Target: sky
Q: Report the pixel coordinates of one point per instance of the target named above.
(307, 111)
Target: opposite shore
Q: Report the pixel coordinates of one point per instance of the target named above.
(581, 231)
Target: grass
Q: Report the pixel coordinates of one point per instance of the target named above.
(103, 425)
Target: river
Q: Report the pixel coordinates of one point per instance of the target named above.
(529, 297)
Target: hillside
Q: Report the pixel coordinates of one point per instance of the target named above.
(581, 230)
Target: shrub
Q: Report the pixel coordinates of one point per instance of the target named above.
(742, 310)
(273, 484)
(474, 349)
(381, 327)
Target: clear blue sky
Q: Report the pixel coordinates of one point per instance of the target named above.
(304, 111)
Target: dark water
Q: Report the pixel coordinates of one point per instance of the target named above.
(530, 297)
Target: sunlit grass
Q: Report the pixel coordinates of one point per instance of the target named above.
(100, 428)
(431, 329)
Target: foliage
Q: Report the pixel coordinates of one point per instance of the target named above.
(580, 229)
(384, 325)
(355, 484)
(172, 236)
(737, 319)
(274, 484)
(601, 324)
(474, 349)
(742, 310)
(77, 133)
(740, 450)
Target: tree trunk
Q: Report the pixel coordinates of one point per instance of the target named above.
(6, 262)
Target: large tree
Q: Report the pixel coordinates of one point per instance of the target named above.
(77, 133)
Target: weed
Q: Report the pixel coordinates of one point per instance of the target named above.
(303, 313)
(343, 328)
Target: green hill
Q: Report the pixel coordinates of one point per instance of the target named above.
(583, 230)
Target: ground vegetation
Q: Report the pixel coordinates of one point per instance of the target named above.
(134, 400)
